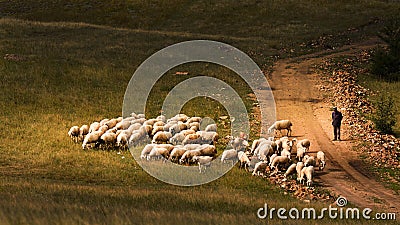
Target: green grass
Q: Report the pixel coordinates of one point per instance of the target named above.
(77, 62)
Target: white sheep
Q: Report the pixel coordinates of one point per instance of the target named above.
(158, 152)
(286, 153)
(108, 139)
(177, 153)
(208, 137)
(187, 132)
(321, 160)
(271, 159)
(177, 139)
(104, 121)
(208, 150)
(188, 155)
(264, 151)
(94, 127)
(239, 144)
(192, 139)
(299, 167)
(74, 133)
(255, 144)
(157, 129)
(211, 127)
(279, 160)
(229, 154)
(309, 161)
(83, 131)
(281, 125)
(305, 143)
(307, 171)
(146, 150)
(195, 119)
(260, 168)
(244, 160)
(192, 146)
(301, 152)
(290, 170)
(159, 123)
(123, 125)
(161, 137)
(111, 123)
(203, 161)
(91, 138)
(122, 140)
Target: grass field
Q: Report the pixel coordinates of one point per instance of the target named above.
(73, 60)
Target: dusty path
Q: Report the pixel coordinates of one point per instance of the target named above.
(298, 99)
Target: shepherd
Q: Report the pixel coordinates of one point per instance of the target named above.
(336, 122)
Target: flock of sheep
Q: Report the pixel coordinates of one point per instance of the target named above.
(180, 140)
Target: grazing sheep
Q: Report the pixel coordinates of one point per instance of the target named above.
(169, 124)
(244, 160)
(161, 118)
(290, 170)
(94, 127)
(192, 139)
(305, 143)
(187, 132)
(203, 161)
(279, 161)
(286, 153)
(161, 137)
(264, 151)
(83, 131)
(208, 137)
(211, 127)
(146, 150)
(111, 123)
(150, 122)
(208, 150)
(176, 128)
(299, 167)
(122, 140)
(259, 168)
(308, 172)
(300, 152)
(156, 129)
(74, 133)
(255, 144)
(91, 138)
(159, 123)
(139, 120)
(192, 146)
(271, 159)
(157, 152)
(188, 155)
(123, 125)
(177, 139)
(281, 125)
(103, 121)
(239, 144)
(230, 154)
(286, 144)
(321, 160)
(108, 139)
(195, 119)
(176, 154)
(310, 161)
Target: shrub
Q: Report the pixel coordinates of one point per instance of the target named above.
(384, 115)
(386, 61)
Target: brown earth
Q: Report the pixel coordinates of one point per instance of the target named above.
(298, 98)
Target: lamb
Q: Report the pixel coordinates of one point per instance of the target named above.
(281, 125)
(301, 152)
(309, 161)
(188, 155)
(290, 170)
(192, 139)
(299, 167)
(203, 161)
(279, 160)
(308, 172)
(244, 160)
(230, 154)
(259, 168)
(321, 160)
(74, 133)
(211, 127)
(83, 131)
(161, 137)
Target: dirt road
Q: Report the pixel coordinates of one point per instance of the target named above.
(297, 98)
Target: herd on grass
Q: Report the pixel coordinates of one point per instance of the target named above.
(180, 140)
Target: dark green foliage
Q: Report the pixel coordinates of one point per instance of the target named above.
(386, 61)
(384, 116)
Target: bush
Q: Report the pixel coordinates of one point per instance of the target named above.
(386, 61)
(384, 116)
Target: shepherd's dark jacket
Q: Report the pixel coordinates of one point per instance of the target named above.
(336, 118)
